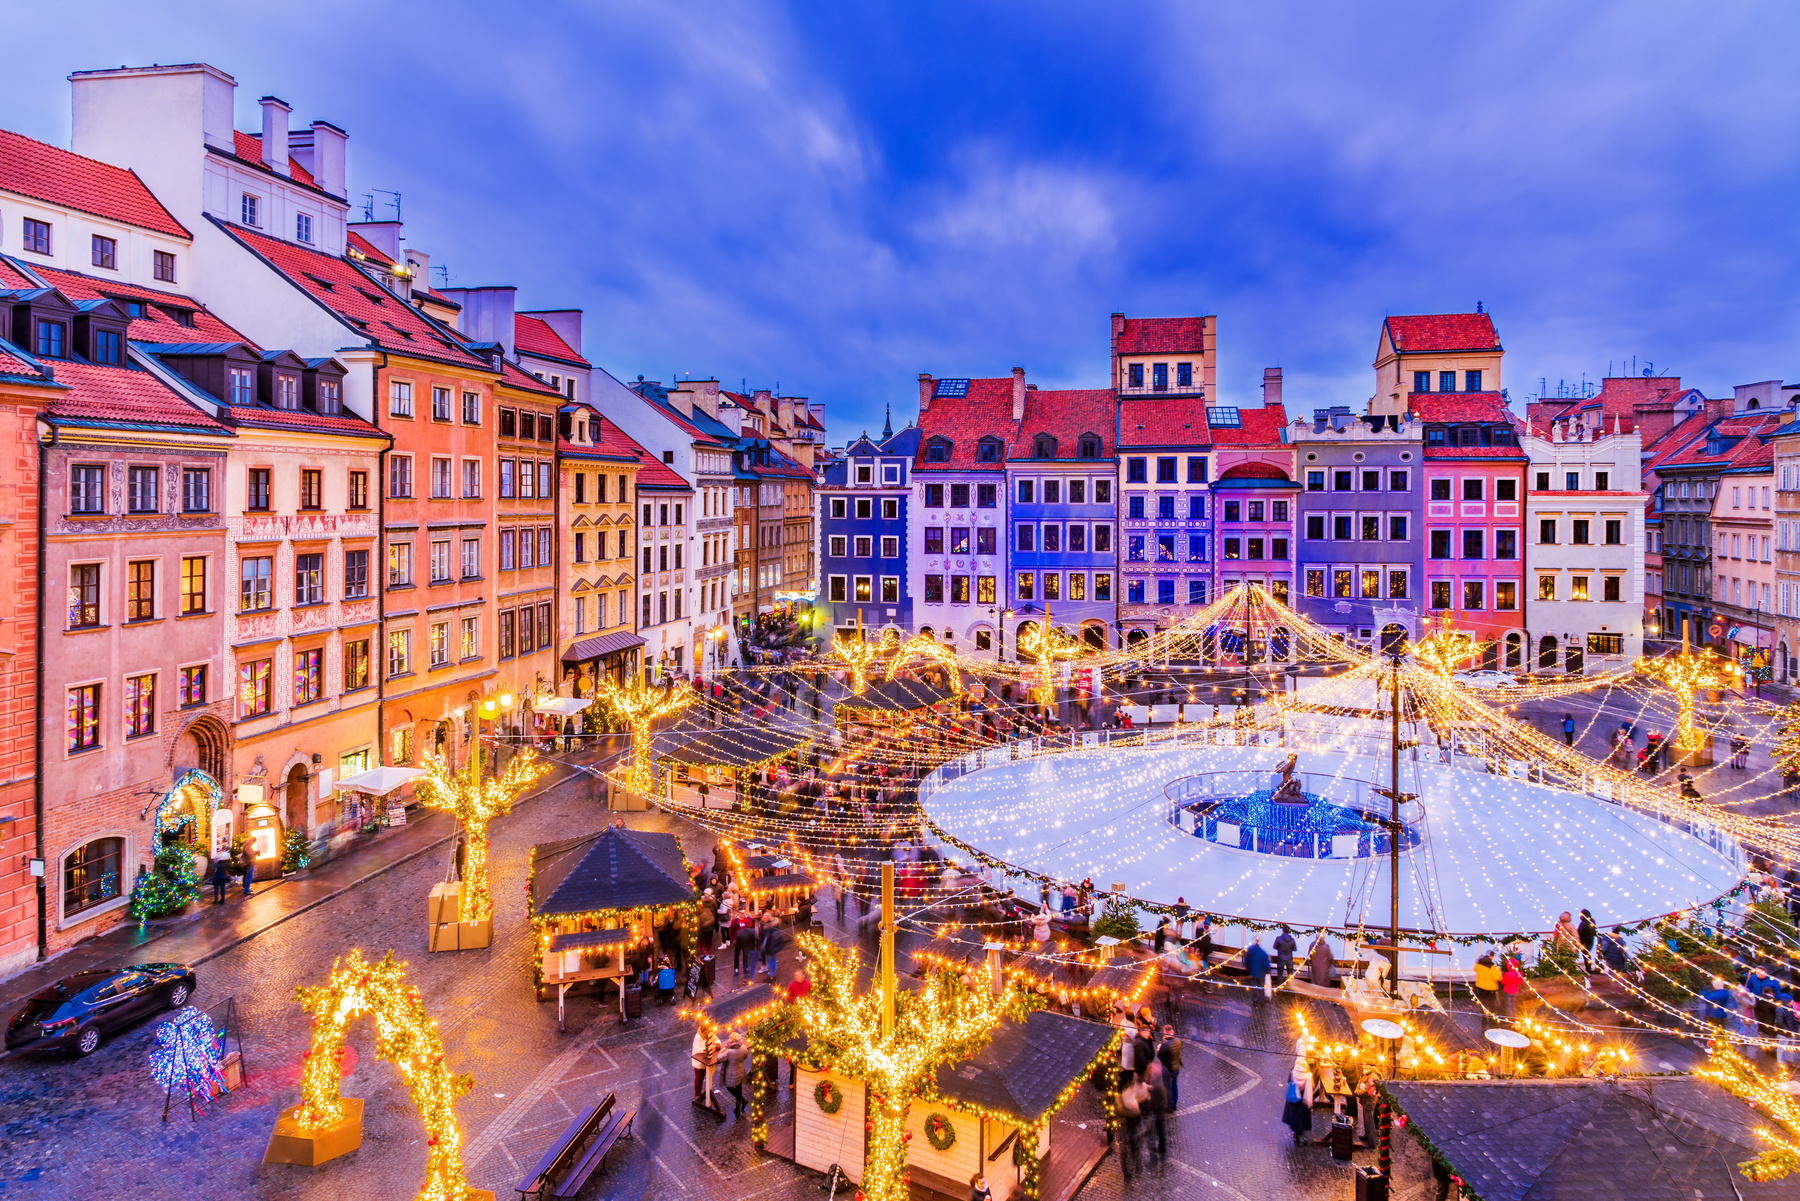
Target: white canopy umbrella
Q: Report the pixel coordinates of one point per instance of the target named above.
(380, 781)
(562, 706)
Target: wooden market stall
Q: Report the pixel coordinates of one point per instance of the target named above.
(886, 702)
(607, 896)
(709, 767)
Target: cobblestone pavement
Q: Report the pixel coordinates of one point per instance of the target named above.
(92, 1127)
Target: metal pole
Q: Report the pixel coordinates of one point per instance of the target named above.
(887, 950)
(1394, 839)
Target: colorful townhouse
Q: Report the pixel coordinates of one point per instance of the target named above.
(1585, 547)
(1744, 533)
(1786, 447)
(1359, 547)
(1061, 464)
(863, 502)
(1165, 459)
(597, 575)
(776, 446)
(1254, 494)
(959, 515)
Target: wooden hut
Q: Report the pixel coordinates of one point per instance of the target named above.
(592, 901)
(710, 766)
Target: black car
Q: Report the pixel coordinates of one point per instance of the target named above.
(79, 1011)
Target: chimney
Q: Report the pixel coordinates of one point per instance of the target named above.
(567, 324)
(705, 391)
(326, 157)
(275, 133)
(1271, 386)
(683, 401)
(1118, 327)
(383, 236)
(1018, 394)
(996, 967)
(487, 313)
(927, 386)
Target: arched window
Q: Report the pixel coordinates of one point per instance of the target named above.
(1090, 446)
(937, 450)
(91, 875)
(1043, 447)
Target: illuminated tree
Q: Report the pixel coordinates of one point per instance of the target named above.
(924, 646)
(638, 706)
(942, 1022)
(407, 1037)
(1726, 1068)
(856, 656)
(476, 802)
(1786, 752)
(1683, 674)
(1049, 645)
(1444, 649)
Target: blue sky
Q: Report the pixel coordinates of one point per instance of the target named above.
(837, 197)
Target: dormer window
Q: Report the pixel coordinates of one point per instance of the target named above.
(937, 450)
(1503, 436)
(106, 347)
(987, 450)
(250, 210)
(1089, 447)
(287, 391)
(181, 317)
(241, 385)
(1469, 436)
(52, 339)
(1043, 447)
(136, 310)
(1435, 436)
(865, 472)
(302, 227)
(330, 400)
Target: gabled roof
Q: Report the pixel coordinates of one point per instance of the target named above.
(1744, 438)
(155, 325)
(1256, 427)
(1025, 1068)
(614, 869)
(611, 442)
(965, 420)
(1066, 414)
(18, 367)
(61, 177)
(249, 150)
(513, 376)
(1163, 421)
(358, 244)
(102, 395)
(357, 300)
(1459, 406)
(533, 335)
(1162, 335)
(1442, 332)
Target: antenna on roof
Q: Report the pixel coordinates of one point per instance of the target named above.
(369, 203)
(443, 272)
(1477, 306)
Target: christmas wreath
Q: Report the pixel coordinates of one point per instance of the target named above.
(939, 1132)
(1020, 1152)
(829, 1096)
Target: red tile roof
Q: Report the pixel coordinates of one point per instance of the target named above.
(121, 394)
(987, 409)
(1443, 332)
(249, 149)
(1619, 396)
(533, 335)
(364, 305)
(1066, 414)
(608, 440)
(1163, 421)
(513, 377)
(14, 367)
(1750, 450)
(155, 325)
(1162, 335)
(1257, 427)
(361, 245)
(1459, 406)
(55, 176)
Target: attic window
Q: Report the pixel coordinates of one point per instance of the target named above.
(135, 309)
(1090, 446)
(1224, 418)
(183, 317)
(955, 389)
(988, 450)
(398, 330)
(1434, 436)
(321, 281)
(937, 450)
(371, 296)
(1043, 447)
(357, 322)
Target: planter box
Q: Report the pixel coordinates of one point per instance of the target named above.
(443, 903)
(233, 1070)
(310, 1148)
(443, 937)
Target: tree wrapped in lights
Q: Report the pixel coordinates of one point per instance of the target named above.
(929, 649)
(1444, 649)
(1049, 645)
(187, 1055)
(407, 1037)
(1786, 752)
(1731, 1071)
(943, 1022)
(856, 656)
(476, 802)
(639, 706)
(1683, 674)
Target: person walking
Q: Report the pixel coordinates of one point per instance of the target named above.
(462, 852)
(1284, 953)
(1131, 1110)
(1296, 1114)
(1569, 729)
(773, 939)
(221, 879)
(1156, 1106)
(1487, 988)
(1585, 933)
(705, 1058)
(1510, 980)
(1256, 965)
(665, 981)
(249, 874)
(737, 1056)
(1321, 965)
(1169, 1054)
(743, 946)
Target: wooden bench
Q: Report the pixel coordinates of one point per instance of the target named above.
(578, 1151)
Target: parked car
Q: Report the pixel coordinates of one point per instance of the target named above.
(1485, 679)
(78, 1012)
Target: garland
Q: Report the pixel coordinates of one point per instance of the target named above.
(939, 1132)
(829, 1096)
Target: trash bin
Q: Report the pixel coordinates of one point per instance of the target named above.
(634, 1000)
(1343, 1136)
(1371, 1185)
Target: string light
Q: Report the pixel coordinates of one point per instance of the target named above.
(476, 802)
(407, 1037)
(638, 706)
(1444, 649)
(1731, 1071)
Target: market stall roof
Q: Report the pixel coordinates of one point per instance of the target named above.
(379, 780)
(587, 940)
(896, 696)
(614, 869)
(736, 1006)
(601, 645)
(789, 882)
(1026, 1065)
(730, 746)
(952, 950)
(562, 706)
(1602, 1140)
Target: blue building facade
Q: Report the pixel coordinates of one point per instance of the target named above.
(863, 537)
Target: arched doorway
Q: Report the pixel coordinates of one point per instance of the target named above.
(202, 746)
(1572, 659)
(295, 809)
(1515, 651)
(1546, 653)
(1094, 636)
(1393, 637)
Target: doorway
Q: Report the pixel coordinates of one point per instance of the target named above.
(263, 839)
(295, 808)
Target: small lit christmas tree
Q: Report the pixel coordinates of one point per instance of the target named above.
(187, 1055)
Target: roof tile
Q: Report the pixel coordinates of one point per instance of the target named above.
(249, 149)
(123, 394)
(1162, 335)
(533, 335)
(1066, 414)
(1438, 332)
(62, 177)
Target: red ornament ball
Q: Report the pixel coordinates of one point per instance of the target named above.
(908, 1136)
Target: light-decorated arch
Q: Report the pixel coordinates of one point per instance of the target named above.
(201, 796)
(407, 1037)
